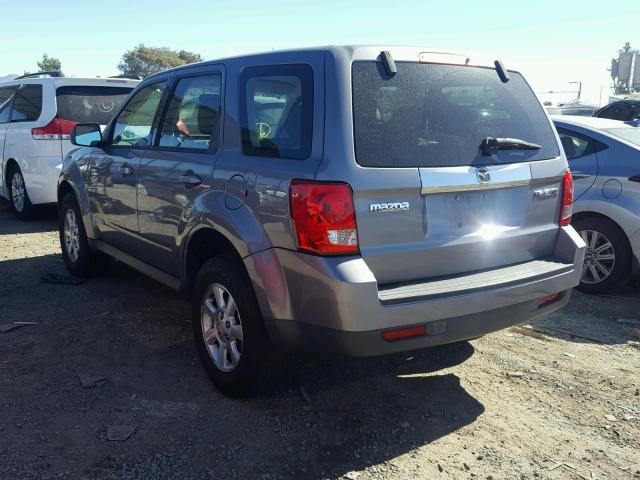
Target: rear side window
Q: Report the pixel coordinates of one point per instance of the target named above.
(193, 118)
(276, 105)
(574, 144)
(5, 103)
(430, 115)
(27, 105)
(89, 104)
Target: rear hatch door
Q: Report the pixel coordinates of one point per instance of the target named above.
(430, 202)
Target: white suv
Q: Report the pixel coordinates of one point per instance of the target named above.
(37, 116)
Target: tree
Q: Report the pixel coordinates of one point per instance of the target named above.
(144, 61)
(49, 64)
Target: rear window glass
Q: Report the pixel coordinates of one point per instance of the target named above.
(631, 135)
(438, 115)
(277, 110)
(27, 105)
(87, 104)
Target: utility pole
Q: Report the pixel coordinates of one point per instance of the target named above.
(579, 89)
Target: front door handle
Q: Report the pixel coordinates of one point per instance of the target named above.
(190, 179)
(125, 170)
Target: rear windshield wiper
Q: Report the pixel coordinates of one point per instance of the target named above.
(491, 145)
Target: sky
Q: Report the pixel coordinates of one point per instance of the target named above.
(551, 42)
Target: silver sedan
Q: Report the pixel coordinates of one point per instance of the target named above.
(604, 157)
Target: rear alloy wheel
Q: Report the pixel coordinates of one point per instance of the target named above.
(607, 257)
(229, 331)
(221, 327)
(18, 195)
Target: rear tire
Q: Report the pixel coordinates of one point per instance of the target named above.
(81, 260)
(18, 196)
(608, 257)
(229, 331)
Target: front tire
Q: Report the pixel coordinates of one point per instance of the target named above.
(81, 260)
(18, 196)
(607, 261)
(229, 332)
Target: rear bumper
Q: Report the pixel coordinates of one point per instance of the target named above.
(300, 336)
(305, 298)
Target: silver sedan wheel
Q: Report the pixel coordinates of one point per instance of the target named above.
(599, 259)
(221, 327)
(71, 235)
(18, 191)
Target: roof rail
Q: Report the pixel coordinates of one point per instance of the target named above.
(129, 77)
(52, 74)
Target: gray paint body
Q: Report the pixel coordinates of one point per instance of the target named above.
(151, 216)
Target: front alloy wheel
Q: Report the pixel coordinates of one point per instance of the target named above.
(71, 235)
(221, 327)
(599, 259)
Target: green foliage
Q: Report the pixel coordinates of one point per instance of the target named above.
(144, 61)
(48, 64)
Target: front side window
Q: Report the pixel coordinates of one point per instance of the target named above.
(434, 115)
(276, 105)
(135, 125)
(6, 93)
(27, 105)
(574, 144)
(193, 118)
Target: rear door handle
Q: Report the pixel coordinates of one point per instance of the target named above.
(125, 170)
(190, 179)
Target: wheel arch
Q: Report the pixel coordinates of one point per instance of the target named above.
(7, 166)
(202, 244)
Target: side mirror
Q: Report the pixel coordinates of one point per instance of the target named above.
(86, 135)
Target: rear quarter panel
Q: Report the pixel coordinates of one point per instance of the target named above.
(248, 201)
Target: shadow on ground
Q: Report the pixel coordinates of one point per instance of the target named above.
(333, 416)
(596, 318)
(45, 219)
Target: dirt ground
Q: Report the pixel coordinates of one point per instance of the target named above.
(519, 403)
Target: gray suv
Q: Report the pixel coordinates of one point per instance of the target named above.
(342, 200)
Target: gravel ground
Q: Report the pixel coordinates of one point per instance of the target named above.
(557, 399)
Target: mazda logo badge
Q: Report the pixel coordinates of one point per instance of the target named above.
(483, 175)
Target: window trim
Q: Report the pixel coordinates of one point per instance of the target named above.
(15, 95)
(107, 143)
(173, 84)
(306, 74)
(12, 98)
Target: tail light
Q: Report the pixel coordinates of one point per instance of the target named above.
(56, 129)
(324, 217)
(566, 207)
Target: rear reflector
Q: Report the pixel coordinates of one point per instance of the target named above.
(566, 206)
(56, 129)
(323, 217)
(404, 333)
(546, 300)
